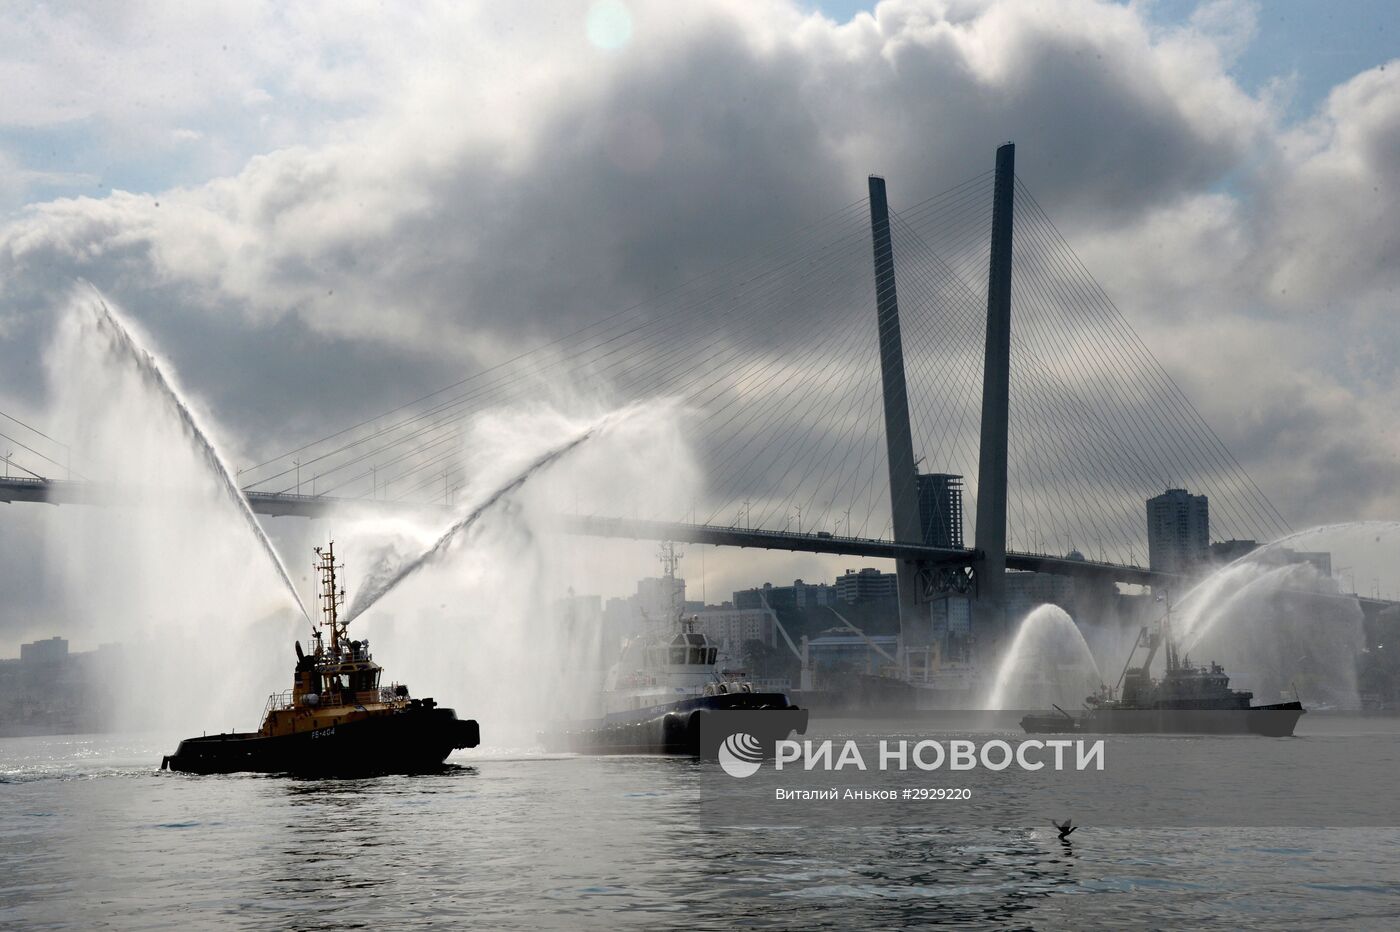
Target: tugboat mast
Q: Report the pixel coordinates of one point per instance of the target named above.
(331, 597)
(670, 559)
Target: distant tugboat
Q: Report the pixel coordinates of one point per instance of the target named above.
(660, 690)
(336, 719)
(1186, 700)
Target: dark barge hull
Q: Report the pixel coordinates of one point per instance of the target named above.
(1275, 721)
(675, 729)
(416, 740)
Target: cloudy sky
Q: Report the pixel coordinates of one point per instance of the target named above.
(319, 211)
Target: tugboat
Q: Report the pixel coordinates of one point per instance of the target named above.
(661, 689)
(336, 720)
(1187, 700)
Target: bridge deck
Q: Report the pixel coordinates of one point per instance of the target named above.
(285, 504)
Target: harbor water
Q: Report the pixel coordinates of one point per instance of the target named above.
(96, 837)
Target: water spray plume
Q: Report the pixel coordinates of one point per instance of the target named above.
(1231, 588)
(1256, 575)
(121, 341)
(1282, 623)
(1322, 530)
(376, 589)
(1048, 661)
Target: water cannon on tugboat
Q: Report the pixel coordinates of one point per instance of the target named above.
(337, 719)
(1186, 700)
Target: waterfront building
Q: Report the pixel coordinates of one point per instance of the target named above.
(52, 650)
(731, 628)
(867, 585)
(940, 509)
(48, 690)
(800, 596)
(1178, 531)
(839, 650)
(658, 597)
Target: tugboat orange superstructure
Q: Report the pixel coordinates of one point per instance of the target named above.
(337, 719)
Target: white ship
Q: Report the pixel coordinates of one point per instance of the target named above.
(658, 693)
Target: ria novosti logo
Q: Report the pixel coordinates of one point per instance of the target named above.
(740, 754)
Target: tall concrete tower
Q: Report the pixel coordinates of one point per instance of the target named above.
(904, 494)
(989, 621)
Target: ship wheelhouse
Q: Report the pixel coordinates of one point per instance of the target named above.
(690, 648)
(687, 649)
(338, 676)
(354, 678)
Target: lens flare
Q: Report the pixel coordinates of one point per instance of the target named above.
(609, 25)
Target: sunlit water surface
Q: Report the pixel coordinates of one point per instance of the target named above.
(93, 836)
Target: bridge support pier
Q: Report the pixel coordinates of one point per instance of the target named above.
(989, 614)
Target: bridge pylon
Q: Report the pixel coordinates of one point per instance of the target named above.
(989, 610)
(917, 579)
(914, 617)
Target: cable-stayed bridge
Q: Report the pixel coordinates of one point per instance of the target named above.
(843, 389)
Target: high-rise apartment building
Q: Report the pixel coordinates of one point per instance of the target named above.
(1178, 531)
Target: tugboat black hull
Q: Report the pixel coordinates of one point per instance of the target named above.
(1275, 721)
(415, 740)
(675, 729)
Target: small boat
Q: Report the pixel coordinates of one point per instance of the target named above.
(337, 719)
(1188, 699)
(1058, 722)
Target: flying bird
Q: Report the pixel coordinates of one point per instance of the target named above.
(1065, 828)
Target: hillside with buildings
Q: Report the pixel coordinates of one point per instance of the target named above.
(49, 691)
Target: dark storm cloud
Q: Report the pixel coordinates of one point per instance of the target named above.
(687, 150)
(1108, 118)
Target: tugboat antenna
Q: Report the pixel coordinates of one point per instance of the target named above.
(670, 559)
(331, 597)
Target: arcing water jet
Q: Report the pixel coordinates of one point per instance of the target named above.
(1048, 661)
(493, 616)
(1227, 590)
(1281, 625)
(375, 589)
(120, 342)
